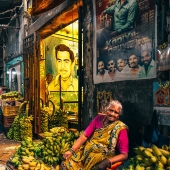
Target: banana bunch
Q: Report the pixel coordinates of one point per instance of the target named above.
(50, 154)
(58, 130)
(11, 94)
(26, 126)
(153, 158)
(58, 118)
(14, 131)
(44, 119)
(30, 163)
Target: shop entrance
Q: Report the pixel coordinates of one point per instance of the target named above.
(58, 72)
(54, 73)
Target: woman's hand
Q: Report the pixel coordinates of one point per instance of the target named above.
(67, 154)
(104, 164)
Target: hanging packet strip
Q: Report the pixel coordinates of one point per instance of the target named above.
(163, 57)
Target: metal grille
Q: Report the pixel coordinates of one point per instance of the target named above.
(29, 45)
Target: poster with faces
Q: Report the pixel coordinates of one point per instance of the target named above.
(124, 43)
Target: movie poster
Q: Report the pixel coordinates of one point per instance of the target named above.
(124, 40)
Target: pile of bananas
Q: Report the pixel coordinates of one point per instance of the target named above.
(153, 158)
(30, 163)
(48, 151)
(27, 148)
(58, 118)
(56, 142)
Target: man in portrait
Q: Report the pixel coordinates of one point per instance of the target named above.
(102, 74)
(133, 62)
(124, 13)
(111, 69)
(131, 70)
(65, 66)
(149, 65)
(121, 63)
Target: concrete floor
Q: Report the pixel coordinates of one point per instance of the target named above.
(7, 149)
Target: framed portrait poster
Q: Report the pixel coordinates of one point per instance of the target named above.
(124, 40)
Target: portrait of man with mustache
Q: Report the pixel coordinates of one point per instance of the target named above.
(148, 64)
(65, 67)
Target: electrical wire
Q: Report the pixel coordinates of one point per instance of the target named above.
(10, 10)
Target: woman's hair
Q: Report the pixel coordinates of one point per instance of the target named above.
(115, 103)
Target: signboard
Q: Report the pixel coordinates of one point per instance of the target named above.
(124, 40)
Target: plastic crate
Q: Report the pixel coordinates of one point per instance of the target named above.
(8, 120)
(10, 110)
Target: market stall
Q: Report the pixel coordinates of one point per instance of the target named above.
(10, 102)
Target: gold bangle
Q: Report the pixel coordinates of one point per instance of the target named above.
(72, 151)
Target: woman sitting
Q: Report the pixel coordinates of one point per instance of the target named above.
(97, 147)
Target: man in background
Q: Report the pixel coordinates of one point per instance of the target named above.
(65, 66)
(149, 66)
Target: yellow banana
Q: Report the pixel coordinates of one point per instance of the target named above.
(168, 161)
(165, 152)
(153, 159)
(156, 150)
(163, 159)
(149, 168)
(141, 148)
(58, 148)
(147, 153)
(147, 161)
(143, 164)
(139, 157)
(57, 167)
(137, 151)
(150, 150)
(159, 163)
(165, 147)
(42, 166)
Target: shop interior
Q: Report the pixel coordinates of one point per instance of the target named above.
(56, 99)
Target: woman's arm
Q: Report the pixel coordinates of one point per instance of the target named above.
(118, 158)
(79, 142)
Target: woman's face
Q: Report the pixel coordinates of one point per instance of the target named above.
(113, 113)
